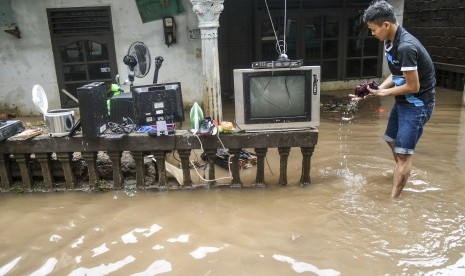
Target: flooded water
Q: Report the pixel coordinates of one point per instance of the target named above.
(344, 223)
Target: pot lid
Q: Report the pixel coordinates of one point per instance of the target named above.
(40, 99)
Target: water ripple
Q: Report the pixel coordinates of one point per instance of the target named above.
(9, 266)
(202, 251)
(102, 269)
(157, 267)
(47, 268)
(301, 267)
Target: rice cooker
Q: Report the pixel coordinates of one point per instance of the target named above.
(59, 122)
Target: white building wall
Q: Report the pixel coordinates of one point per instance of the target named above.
(29, 60)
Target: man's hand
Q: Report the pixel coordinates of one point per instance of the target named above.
(363, 90)
(379, 92)
(356, 98)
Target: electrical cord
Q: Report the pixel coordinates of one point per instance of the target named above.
(75, 128)
(229, 161)
(237, 126)
(126, 127)
(241, 130)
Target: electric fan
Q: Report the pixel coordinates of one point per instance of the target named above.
(137, 60)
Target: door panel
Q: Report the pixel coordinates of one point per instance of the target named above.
(235, 42)
(83, 48)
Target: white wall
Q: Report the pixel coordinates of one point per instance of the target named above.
(29, 60)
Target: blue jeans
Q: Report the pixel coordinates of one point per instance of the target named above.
(405, 126)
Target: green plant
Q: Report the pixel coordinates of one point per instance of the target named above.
(19, 189)
(99, 186)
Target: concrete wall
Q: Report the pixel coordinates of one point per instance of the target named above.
(440, 26)
(29, 60)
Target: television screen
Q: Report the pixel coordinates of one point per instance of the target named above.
(156, 102)
(277, 98)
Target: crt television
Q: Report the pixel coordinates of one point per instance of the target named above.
(277, 98)
(157, 102)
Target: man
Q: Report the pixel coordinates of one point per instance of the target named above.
(412, 82)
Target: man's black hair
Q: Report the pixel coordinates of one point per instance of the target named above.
(378, 12)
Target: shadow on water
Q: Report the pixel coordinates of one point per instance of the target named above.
(344, 223)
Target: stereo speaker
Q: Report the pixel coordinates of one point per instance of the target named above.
(93, 109)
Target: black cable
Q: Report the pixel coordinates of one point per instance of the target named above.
(125, 128)
(237, 126)
(75, 128)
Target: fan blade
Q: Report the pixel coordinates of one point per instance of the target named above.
(141, 54)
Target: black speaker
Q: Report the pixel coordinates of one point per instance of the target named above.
(10, 128)
(121, 106)
(93, 110)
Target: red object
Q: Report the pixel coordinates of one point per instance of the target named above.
(381, 110)
(361, 90)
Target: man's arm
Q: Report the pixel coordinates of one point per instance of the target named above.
(412, 85)
(387, 83)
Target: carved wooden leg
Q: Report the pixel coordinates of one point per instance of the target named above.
(236, 181)
(140, 169)
(65, 159)
(115, 157)
(184, 154)
(284, 155)
(91, 161)
(260, 178)
(26, 175)
(45, 166)
(5, 173)
(211, 155)
(306, 161)
(160, 156)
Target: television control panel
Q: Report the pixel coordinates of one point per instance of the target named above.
(315, 84)
(277, 64)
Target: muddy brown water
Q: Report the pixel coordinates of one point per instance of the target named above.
(344, 223)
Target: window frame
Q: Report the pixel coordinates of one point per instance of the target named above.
(342, 59)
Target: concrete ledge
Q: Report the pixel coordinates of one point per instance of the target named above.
(19, 153)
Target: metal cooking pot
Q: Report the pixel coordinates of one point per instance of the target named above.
(59, 121)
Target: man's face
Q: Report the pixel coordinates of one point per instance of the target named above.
(381, 32)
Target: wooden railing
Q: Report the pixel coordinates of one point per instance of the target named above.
(140, 145)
